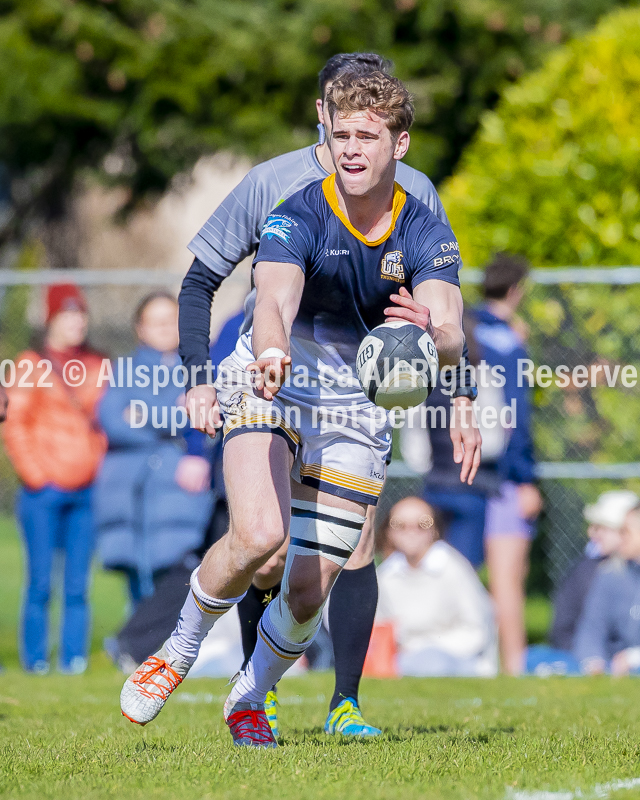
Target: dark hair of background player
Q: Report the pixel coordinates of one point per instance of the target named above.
(360, 63)
(503, 272)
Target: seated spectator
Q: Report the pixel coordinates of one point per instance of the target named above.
(608, 635)
(55, 445)
(605, 518)
(440, 611)
(152, 499)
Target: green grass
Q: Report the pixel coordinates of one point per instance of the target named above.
(65, 738)
(108, 598)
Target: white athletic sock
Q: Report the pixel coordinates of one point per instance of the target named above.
(272, 657)
(199, 614)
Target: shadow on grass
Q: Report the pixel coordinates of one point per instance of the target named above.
(317, 735)
(403, 733)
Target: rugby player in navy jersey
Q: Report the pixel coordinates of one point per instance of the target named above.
(320, 288)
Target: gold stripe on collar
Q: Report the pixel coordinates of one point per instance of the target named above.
(399, 199)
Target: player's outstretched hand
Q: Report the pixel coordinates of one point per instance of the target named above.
(269, 374)
(410, 310)
(203, 409)
(466, 438)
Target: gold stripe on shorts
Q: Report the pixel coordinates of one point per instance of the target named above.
(262, 419)
(343, 479)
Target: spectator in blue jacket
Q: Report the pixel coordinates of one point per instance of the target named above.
(155, 616)
(152, 499)
(493, 519)
(608, 636)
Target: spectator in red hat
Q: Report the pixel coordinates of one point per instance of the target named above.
(55, 445)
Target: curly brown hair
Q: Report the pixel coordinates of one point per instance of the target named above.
(378, 91)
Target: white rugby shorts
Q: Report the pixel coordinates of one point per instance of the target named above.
(340, 440)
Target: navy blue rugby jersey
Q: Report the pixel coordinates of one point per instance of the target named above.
(348, 279)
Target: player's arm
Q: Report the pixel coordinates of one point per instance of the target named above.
(278, 292)
(442, 318)
(229, 235)
(445, 305)
(436, 307)
(194, 321)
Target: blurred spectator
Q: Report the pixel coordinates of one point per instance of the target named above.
(605, 517)
(509, 522)
(430, 593)
(493, 519)
(4, 402)
(608, 635)
(152, 501)
(153, 619)
(55, 445)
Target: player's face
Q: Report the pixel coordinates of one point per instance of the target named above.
(322, 107)
(364, 152)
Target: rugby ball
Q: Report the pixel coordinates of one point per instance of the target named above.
(397, 365)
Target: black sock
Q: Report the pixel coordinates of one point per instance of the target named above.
(352, 609)
(250, 610)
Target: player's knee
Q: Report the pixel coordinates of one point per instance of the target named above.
(304, 602)
(260, 542)
(270, 573)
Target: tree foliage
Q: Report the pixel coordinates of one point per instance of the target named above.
(136, 90)
(554, 173)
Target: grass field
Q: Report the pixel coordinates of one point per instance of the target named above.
(517, 739)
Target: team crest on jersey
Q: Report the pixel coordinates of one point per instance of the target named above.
(392, 268)
(277, 225)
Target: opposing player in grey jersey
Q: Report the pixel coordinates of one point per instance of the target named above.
(229, 235)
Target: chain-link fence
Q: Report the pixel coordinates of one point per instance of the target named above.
(585, 422)
(583, 325)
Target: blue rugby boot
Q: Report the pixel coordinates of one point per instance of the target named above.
(347, 720)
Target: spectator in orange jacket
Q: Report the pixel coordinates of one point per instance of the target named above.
(55, 445)
(4, 400)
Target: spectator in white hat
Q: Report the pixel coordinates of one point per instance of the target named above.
(608, 636)
(605, 518)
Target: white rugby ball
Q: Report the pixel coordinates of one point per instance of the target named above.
(397, 365)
